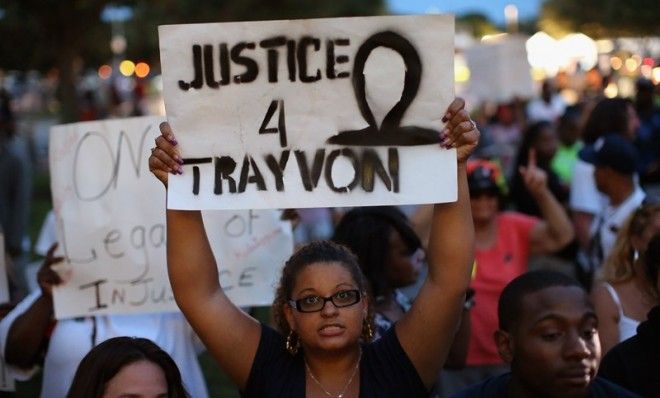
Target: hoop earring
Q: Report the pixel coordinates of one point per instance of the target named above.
(290, 345)
(367, 331)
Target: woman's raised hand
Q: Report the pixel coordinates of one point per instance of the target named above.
(165, 156)
(460, 131)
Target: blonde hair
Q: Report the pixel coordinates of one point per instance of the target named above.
(618, 266)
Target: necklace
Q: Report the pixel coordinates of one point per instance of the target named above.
(348, 383)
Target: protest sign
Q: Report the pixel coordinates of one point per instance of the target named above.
(310, 113)
(499, 71)
(6, 382)
(110, 216)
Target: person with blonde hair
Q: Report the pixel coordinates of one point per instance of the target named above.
(622, 299)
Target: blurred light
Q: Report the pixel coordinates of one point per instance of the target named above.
(542, 53)
(118, 44)
(656, 75)
(646, 71)
(105, 71)
(580, 48)
(494, 38)
(631, 64)
(511, 17)
(127, 67)
(112, 13)
(611, 90)
(461, 73)
(648, 61)
(142, 69)
(616, 63)
(604, 46)
(570, 96)
(538, 74)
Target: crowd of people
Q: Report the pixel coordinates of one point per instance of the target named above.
(540, 280)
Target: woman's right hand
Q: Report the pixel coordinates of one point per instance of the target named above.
(165, 156)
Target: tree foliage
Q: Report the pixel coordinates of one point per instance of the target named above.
(44, 34)
(601, 18)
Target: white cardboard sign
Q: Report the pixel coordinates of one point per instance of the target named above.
(110, 215)
(310, 113)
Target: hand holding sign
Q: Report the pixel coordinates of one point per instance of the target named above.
(460, 132)
(534, 177)
(47, 277)
(165, 157)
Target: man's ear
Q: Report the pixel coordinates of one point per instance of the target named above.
(504, 344)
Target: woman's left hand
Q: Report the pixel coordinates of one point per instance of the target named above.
(460, 131)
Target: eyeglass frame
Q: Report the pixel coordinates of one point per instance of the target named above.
(296, 303)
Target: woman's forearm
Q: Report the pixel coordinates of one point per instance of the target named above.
(451, 244)
(191, 265)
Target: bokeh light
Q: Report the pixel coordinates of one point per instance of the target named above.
(105, 71)
(126, 67)
(142, 69)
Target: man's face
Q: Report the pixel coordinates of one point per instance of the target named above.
(600, 177)
(554, 345)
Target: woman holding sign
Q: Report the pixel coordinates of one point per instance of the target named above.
(322, 348)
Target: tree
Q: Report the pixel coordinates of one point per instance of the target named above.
(49, 34)
(601, 18)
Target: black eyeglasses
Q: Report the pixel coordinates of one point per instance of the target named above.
(344, 298)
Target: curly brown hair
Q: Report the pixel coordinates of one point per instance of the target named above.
(618, 266)
(317, 252)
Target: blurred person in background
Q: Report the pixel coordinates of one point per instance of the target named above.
(539, 138)
(623, 298)
(634, 363)
(548, 107)
(15, 193)
(648, 135)
(613, 157)
(503, 243)
(570, 143)
(610, 115)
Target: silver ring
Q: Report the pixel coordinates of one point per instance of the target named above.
(474, 125)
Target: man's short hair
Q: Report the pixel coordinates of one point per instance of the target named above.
(511, 299)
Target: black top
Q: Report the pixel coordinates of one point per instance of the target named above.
(497, 387)
(385, 370)
(635, 363)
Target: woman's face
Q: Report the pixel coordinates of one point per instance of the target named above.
(331, 328)
(141, 379)
(484, 207)
(402, 265)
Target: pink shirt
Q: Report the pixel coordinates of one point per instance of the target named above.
(495, 268)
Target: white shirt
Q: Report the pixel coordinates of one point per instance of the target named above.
(71, 340)
(585, 196)
(539, 110)
(611, 220)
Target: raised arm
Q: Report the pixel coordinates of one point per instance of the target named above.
(556, 230)
(229, 334)
(426, 332)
